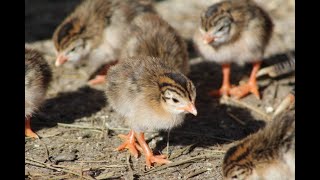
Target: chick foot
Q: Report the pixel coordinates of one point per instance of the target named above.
(224, 90)
(244, 90)
(250, 87)
(130, 144)
(150, 158)
(27, 129)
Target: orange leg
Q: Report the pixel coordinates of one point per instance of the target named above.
(129, 143)
(250, 87)
(27, 129)
(150, 158)
(101, 77)
(225, 88)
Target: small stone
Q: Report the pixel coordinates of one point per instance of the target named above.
(269, 109)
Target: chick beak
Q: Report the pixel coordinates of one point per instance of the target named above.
(61, 59)
(207, 38)
(191, 109)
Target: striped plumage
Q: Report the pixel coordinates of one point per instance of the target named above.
(144, 90)
(148, 86)
(234, 31)
(240, 30)
(96, 30)
(268, 154)
(152, 36)
(37, 79)
(279, 69)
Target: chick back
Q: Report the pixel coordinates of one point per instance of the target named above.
(153, 36)
(274, 143)
(37, 78)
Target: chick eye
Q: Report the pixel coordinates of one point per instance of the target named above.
(73, 49)
(221, 28)
(234, 177)
(175, 100)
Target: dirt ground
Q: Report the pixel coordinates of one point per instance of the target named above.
(79, 129)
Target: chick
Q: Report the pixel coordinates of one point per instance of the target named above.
(268, 154)
(277, 70)
(234, 31)
(95, 32)
(148, 87)
(37, 79)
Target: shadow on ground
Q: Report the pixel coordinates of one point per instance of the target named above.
(214, 123)
(66, 107)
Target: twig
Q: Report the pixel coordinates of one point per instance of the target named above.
(105, 129)
(104, 167)
(52, 167)
(60, 177)
(128, 162)
(180, 152)
(46, 149)
(177, 163)
(93, 161)
(196, 173)
(236, 118)
(228, 100)
(78, 126)
(127, 129)
(130, 173)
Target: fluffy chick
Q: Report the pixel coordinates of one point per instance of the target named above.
(268, 154)
(95, 31)
(37, 79)
(234, 31)
(148, 86)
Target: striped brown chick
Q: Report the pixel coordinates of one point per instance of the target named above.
(277, 70)
(234, 31)
(268, 154)
(148, 86)
(37, 79)
(95, 33)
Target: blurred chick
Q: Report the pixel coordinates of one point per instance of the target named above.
(95, 31)
(234, 31)
(277, 70)
(148, 86)
(268, 154)
(37, 79)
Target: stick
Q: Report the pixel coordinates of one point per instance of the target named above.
(78, 126)
(127, 129)
(49, 166)
(236, 118)
(228, 100)
(196, 173)
(46, 150)
(177, 163)
(181, 151)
